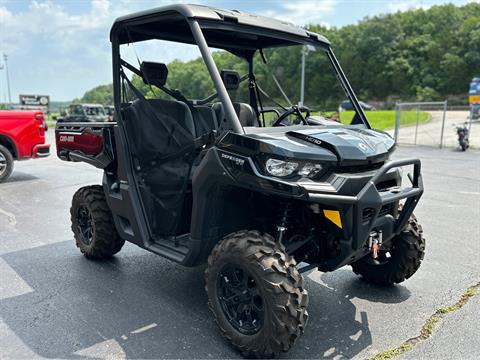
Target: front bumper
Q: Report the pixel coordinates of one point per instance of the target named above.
(372, 210)
(40, 151)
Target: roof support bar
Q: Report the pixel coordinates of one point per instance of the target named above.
(348, 89)
(215, 74)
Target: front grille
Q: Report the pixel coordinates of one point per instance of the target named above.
(350, 169)
(368, 213)
(386, 209)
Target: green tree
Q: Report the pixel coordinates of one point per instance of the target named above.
(102, 94)
(417, 54)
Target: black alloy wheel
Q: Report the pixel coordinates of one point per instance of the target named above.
(240, 299)
(85, 225)
(92, 224)
(256, 294)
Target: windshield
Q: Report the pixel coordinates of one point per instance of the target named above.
(301, 76)
(94, 110)
(289, 85)
(76, 110)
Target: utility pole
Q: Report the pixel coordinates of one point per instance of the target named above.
(5, 58)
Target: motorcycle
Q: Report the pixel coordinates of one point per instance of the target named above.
(462, 135)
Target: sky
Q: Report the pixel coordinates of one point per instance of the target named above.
(62, 49)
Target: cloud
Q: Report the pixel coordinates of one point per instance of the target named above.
(407, 5)
(50, 22)
(64, 51)
(305, 12)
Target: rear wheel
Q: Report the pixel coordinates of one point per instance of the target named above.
(256, 294)
(400, 262)
(6, 163)
(92, 224)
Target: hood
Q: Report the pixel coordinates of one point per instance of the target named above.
(347, 145)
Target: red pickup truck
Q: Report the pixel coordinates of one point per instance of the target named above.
(22, 136)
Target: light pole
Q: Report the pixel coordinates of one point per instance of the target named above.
(302, 79)
(5, 58)
(305, 49)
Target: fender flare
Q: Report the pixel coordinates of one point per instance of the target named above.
(7, 141)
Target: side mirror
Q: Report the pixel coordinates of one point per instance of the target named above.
(154, 73)
(231, 79)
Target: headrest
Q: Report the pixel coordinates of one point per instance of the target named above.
(231, 79)
(154, 73)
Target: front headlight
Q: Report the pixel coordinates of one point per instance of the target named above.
(310, 170)
(280, 168)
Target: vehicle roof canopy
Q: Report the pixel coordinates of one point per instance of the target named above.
(224, 29)
(87, 105)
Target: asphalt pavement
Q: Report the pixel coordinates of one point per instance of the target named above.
(54, 303)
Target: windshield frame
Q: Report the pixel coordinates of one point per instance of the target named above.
(198, 26)
(289, 40)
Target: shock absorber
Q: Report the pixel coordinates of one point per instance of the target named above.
(284, 216)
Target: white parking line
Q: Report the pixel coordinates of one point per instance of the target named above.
(12, 284)
(11, 217)
(12, 346)
(108, 349)
(145, 328)
(469, 193)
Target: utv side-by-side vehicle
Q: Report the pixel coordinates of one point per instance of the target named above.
(85, 113)
(206, 181)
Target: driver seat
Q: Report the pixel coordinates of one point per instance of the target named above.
(245, 113)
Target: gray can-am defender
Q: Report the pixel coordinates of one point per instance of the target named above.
(206, 181)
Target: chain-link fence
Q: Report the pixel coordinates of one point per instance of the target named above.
(433, 124)
(420, 123)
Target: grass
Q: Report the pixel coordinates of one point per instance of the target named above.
(379, 119)
(467, 295)
(389, 354)
(428, 327)
(385, 119)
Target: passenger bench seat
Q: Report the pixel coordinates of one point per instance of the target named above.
(205, 120)
(244, 111)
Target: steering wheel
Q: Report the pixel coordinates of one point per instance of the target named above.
(293, 110)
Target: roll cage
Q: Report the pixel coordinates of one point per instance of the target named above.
(241, 34)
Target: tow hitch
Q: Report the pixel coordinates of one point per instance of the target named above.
(375, 241)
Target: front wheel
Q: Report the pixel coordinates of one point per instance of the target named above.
(256, 294)
(397, 264)
(92, 224)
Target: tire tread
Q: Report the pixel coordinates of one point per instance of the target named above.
(106, 241)
(280, 278)
(410, 252)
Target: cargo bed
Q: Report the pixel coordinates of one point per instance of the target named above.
(88, 142)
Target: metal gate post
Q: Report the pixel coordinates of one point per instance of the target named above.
(443, 123)
(416, 127)
(470, 121)
(397, 122)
